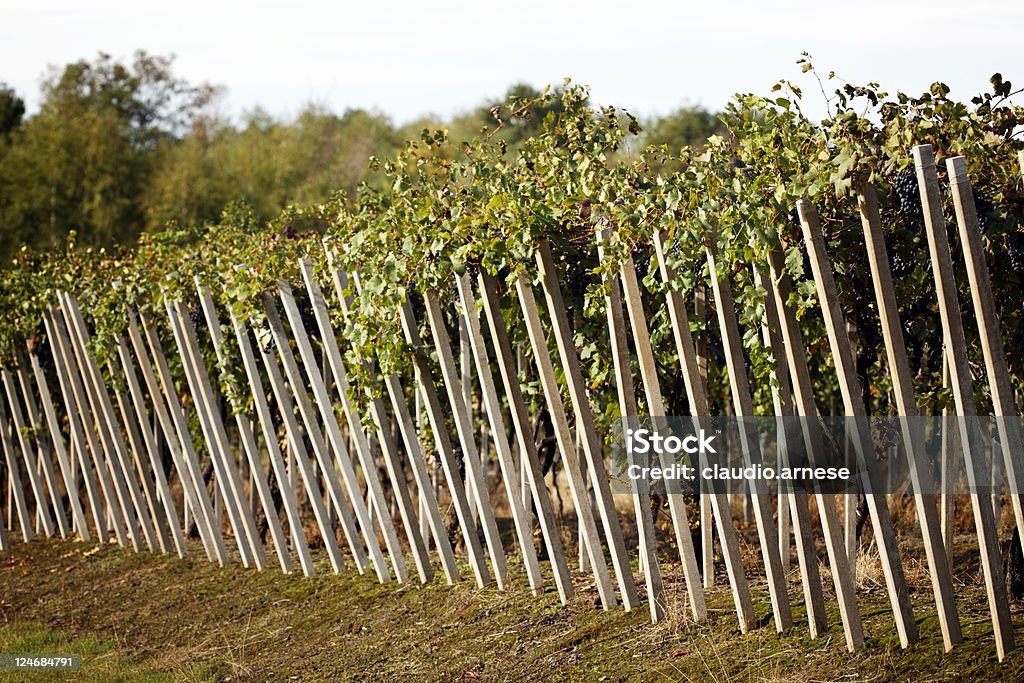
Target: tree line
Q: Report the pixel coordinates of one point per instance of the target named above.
(122, 147)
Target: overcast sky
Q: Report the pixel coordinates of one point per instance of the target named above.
(443, 56)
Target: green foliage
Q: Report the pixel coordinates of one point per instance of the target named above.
(552, 167)
(12, 110)
(81, 162)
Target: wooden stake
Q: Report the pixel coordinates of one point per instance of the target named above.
(431, 520)
(249, 445)
(849, 387)
(577, 485)
(319, 443)
(464, 429)
(492, 407)
(171, 417)
(952, 327)
(585, 421)
(111, 517)
(14, 477)
(299, 459)
(374, 492)
(136, 448)
(803, 395)
(647, 538)
(442, 440)
(77, 456)
(906, 404)
(1004, 405)
(694, 380)
(744, 408)
(393, 464)
(132, 516)
(530, 465)
(57, 439)
(33, 467)
(149, 445)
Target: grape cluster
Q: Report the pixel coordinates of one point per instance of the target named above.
(195, 316)
(642, 261)
(985, 207)
(908, 196)
(576, 283)
(1015, 249)
(308, 318)
(448, 303)
(901, 266)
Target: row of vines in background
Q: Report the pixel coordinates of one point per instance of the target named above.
(454, 205)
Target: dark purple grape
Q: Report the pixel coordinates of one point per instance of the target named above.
(196, 317)
(985, 208)
(908, 196)
(1015, 250)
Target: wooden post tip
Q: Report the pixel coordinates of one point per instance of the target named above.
(957, 168)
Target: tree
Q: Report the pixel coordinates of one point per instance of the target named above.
(685, 127)
(82, 162)
(12, 110)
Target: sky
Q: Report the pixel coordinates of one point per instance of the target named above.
(444, 57)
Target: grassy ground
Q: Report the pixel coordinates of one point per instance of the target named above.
(140, 617)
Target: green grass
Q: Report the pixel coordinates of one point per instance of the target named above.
(143, 617)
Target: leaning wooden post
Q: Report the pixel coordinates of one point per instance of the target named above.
(563, 437)
(807, 411)
(150, 446)
(706, 531)
(585, 421)
(952, 327)
(529, 463)
(336, 441)
(14, 477)
(31, 466)
(696, 394)
(288, 497)
(57, 439)
(135, 446)
(248, 439)
(782, 403)
(797, 508)
(77, 456)
(464, 429)
(358, 433)
(45, 457)
(442, 440)
(1004, 405)
(656, 410)
(744, 409)
(849, 387)
(170, 416)
(124, 528)
(640, 486)
(430, 520)
(906, 404)
(109, 431)
(225, 465)
(492, 407)
(299, 462)
(321, 452)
